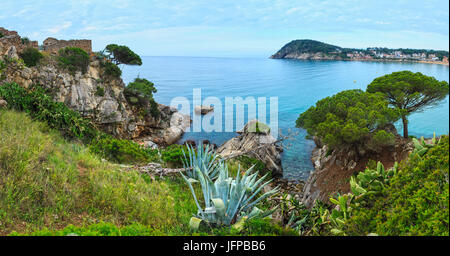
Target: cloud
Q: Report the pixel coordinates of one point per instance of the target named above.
(59, 28)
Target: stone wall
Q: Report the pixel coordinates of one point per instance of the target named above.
(12, 38)
(52, 45)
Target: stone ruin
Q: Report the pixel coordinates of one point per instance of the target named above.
(12, 44)
(10, 41)
(53, 45)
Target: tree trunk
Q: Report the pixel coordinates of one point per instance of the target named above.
(405, 127)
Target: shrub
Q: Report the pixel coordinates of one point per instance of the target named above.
(42, 107)
(100, 229)
(122, 151)
(111, 69)
(31, 57)
(350, 118)
(415, 203)
(73, 59)
(25, 40)
(173, 155)
(140, 93)
(100, 91)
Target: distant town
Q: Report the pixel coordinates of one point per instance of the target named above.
(307, 49)
(400, 54)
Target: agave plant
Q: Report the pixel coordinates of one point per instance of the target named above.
(228, 201)
(203, 159)
(421, 148)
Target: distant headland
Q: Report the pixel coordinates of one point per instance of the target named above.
(314, 50)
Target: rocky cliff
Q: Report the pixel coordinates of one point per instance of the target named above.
(333, 169)
(109, 110)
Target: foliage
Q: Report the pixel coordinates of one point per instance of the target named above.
(173, 155)
(421, 147)
(100, 229)
(45, 182)
(247, 162)
(42, 107)
(203, 159)
(306, 46)
(25, 40)
(1, 34)
(121, 54)
(122, 151)
(100, 91)
(410, 92)
(73, 59)
(228, 201)
(58, 116)
(414, 203)
(372, 181)
(31, 56)
(111, 69)
(140, 93)
(353, 118)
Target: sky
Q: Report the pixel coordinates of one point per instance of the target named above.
(228, 28)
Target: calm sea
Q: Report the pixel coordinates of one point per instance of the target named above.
(297, 84)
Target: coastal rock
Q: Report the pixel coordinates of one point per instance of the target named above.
(333, 169)
(259, 145)
(109, 110)
(203, 110)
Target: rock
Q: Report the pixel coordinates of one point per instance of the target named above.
(3, 103)
(12, 53)
(203, 110)
(150, 144)
(257, 145)
(112, 113)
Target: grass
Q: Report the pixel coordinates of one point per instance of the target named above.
(46, 182)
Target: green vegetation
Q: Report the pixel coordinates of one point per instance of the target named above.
(227, 201)
(121, 54)
(100, 92)
(47, 182)
(111, 69)
(73, 59)
(1, 35)
(31, 56)
(410, 92)
(25, 40)
(306, 46)
(416, 202)
(58, 116)
(350, 118)
(41, 106)
(140, 93)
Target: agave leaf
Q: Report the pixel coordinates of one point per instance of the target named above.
(240, 224)
(194, 223)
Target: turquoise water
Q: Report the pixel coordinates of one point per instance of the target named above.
(297, 84)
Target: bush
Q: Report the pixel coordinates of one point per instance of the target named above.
(350, 118)
(73, 59)
(173, 155)
(111, 69)
(42, 107)
(122, 151)
(415, 203)
(31, 57)
(100, 91)
(140, 93)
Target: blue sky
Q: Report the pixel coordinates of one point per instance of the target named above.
(226, 28)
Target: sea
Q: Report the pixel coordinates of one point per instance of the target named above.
(296, 84)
